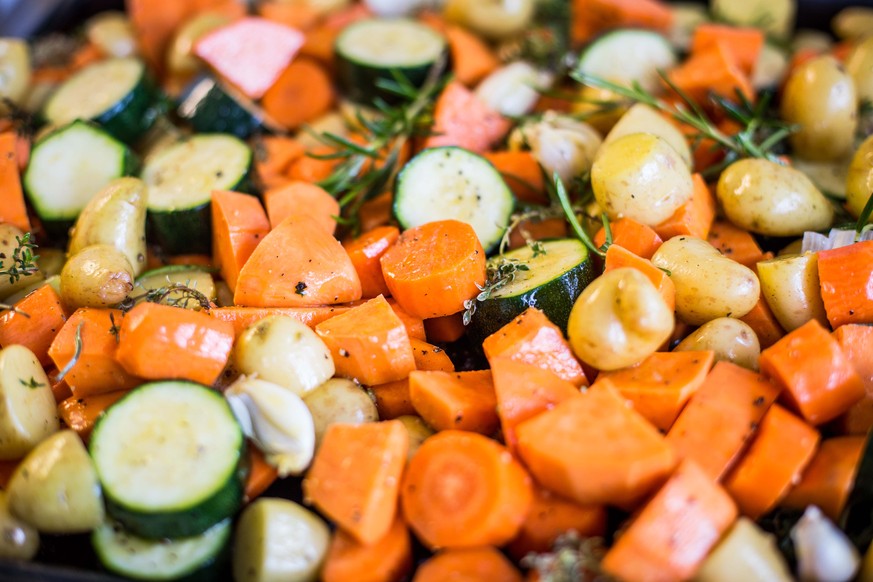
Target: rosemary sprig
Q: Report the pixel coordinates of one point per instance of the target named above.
(23, 260)
(570, 215)
(173, 294)
(76, 354)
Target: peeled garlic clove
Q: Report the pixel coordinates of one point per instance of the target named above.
(824, 553)
(513, 89)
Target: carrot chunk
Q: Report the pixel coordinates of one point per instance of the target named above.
(629, 234)
(303, 199)
(522, 173)
(274, 156)
(242, 317)
(618, 257)
(695, 217)
(856, 342)
(472, 59)
(456, 400)
(744, 43)
(846, 279)
(261, 474)
(45, 316)
(81, 414)
(302, 93)
(238, 225)
(468, 564)
(763, 323)
(828, 479)
(445, 329)
(714, 70)
(12, 208)
(366, 252)
(735, 243)
(591, 17)
(386, 560)
(393, 399)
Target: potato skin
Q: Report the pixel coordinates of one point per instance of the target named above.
(790, 286)
(732, 341)
(860, 66)
(96, 276)
(28, 411)
(643, 119)
(339, 401)
(18, 540)
(764, 197)
(859, 181)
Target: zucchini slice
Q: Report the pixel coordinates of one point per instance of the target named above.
(213, 107)
(116, 93)
(171, 459)
(627, 56)
(197, 278)
(370, 50)
(453, 183)
(180, 180)
(555, 277)
(128, 555)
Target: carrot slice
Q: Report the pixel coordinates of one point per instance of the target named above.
(846, 278)
(629, 234)
(387, 560)
(744, 43)
(856, 342)
(660, 386)
(12, 208)
(297, 265)
(462, 119)
(467, 564)
(430, 357)
(735, 243)
(464, 490)
(720, 417)
(302, 93)
(763, 323)
(393, 399)
(274, 155)
(536, 229)
(434, 268)
(695, 217)
(242, 317)
(159, 341)
(712, 71)
(34, 323)
(238, 225)
(472, 59)
(595, 450)
(618, 257)
(81, 414)
(261, 474)
(414, 325)
(818, 379)
(445, 329)
(458, 400)
(366, 252)
(532, 339)
(301, 16)
(522, 173)
(781, 449)
(591, 17)
(829, 477)
(674, 532)
(355, 477)
(303, 199)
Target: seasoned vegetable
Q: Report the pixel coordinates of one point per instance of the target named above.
(98, 275)
(20, 541)
(730, 339)
(339, 401)
(28, 412)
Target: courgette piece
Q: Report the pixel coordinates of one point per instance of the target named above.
(213, 107)
(372, 49)
(171, 459)
(627, 56)
(180, 180)
(118, 94)
(191, 276)
(453, 183)
(556, 273)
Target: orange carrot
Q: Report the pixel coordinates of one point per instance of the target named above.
(532, 339)
(154, 23)
(712, 71)
(457, 400)
(694, 218)
(817, 378)
(522, 173)
(313, 169)
(12, 208)
(720, 417)
(434, 268)
(463, 490)
(81, 414)
(320, 40)
(392, 399)
(302, 93)
(763, 323)
(297, 265)
(60, 389)
(673, 533)
(627, 233)
(595, 450)
(828, 479)
(355, 477)
(462, 119)
(744, 43)
(386, 560)
(856, 342)
(591, 17)
(735, 243)
(242, 317)
(472, 59)
(660, 386)
(261, 474)
(445, 329)
(618, 257)
(781, 449)
(467, 564)
(274, 155)
(523, 391)
(430, 357)
(376, 211)
(97, 370)
(414, 325)
(305, 200)
(159, 342)
(238, 225)
(846, 276)
(368, 343)
(365, 252)
(301, 16)
(536, 229)
(34, 323)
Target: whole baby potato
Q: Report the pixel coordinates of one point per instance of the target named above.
(730, 339)
(708, 284)
(339, 401)
(97, 276)
(640, 176)
(771, 199)
(859, 180)
(860, 66)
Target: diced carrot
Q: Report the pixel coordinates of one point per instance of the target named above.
(430, 357)
(535, 229)
(694, 218)
(763, 323)
(159, 342)
(368, 343)
(274, 155)
(299, 15)
(365, 252)
(467, 564)
(591, 17)
(522, 173)
(320, 40)
(312, 169)
(302, 93)
(392, 399)
(355, 477)
(721, 416)
(463, 490)
(154, 23)
(829, 477)
(239, 223)
(376, 211)
(386, 560)
(472, 59)
(523, 391)
(433, 268)
(81, 414)
(744, 43)
(297, 265)
(781, 449)
(445, 329)
(817, 378)
(660, 386)
(462, 119)
(618, 257)
(242, 317)
(97, 370)
(627, 233)
(846, 278)
(60, 389)
(261, 474)
(532, 339)
(12, 208)
(674, 532)
(705, 153)
(712, 71)
(735, 243)
(455, 400)
(414, 325)
(595, 450)
(34, 323)
(303, 200)
(856, 342)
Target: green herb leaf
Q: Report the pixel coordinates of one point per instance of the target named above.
(76, 354)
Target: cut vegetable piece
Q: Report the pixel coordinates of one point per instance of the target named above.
(34, 323)
(735, 243)
(12, 208)
(695, 217)
(846, 276)
(393, 400)
(28, 412)
(274, 156)
(714, 71)
(366, 252)
(629, 234)
(456, 400)
(243, 317)
(472, 59)
(591, 17)
(464, 120)
(82, 414)
(445, 329)
(744, 43)
(430, 357)
(828, 479)
(521, 172)
(747, 553)
(210, 106)
(857, 343)
(261, 475)
(485, 563)
(302, 93)
(764, 324)
(239, 223)
(302, 199)
(388, 559)
(170, 459)
(618, 257)
(197, 278)
(628, 56)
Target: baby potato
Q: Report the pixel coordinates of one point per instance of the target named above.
(418, 431)
(619, 320)
(820, 97)
(730, 339)
(640, 176)
(113, 33)
(859, 180)
(9, 237)
(860, 66)
(790, 286)
(643, 119)
(28, 411)
(15, 70)
(18, 540)
(767, 198)
(339, 401)
(96, 276)
(708, 284)
(494, 19)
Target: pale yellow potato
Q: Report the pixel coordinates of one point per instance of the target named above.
(418, 431)
(790, 286)
(113, 33)
(765, 197)
(820, 97)
(860, 66)
(642, 177)
(96, 276)
(495, 19)
(15, 70)
(28, 411)
(708, 284)
(730, 339)
(9, 236)
(18, 540)
(339, 401)
(853, 22)
(859, 180)
(643, 119)
(746, 553)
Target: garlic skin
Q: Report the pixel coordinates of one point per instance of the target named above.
(559, 143)
(512, 90)
(278, 422)
(824, 553)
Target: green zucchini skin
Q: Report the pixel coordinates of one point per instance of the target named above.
(130, 118)
(182, 232)
(211, 107)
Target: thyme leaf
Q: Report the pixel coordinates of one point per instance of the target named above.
(500, 272)
(23, 260)
(173, 294)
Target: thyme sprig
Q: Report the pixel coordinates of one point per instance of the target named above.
(572, 559)
(173, 294)
(23, 260)
(498, 274)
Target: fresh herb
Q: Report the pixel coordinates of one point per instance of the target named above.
(864, 217)
(76, 354)
(173, 294)
(114, 329)
(536, 247)
(572, 559)
(498, 274)
(32, 383)
(22, 120)
(13, 309)
(23, 260)
(572, 219)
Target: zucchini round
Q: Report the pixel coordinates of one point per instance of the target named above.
(627, 56)
(197, 278)
(213, 107)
